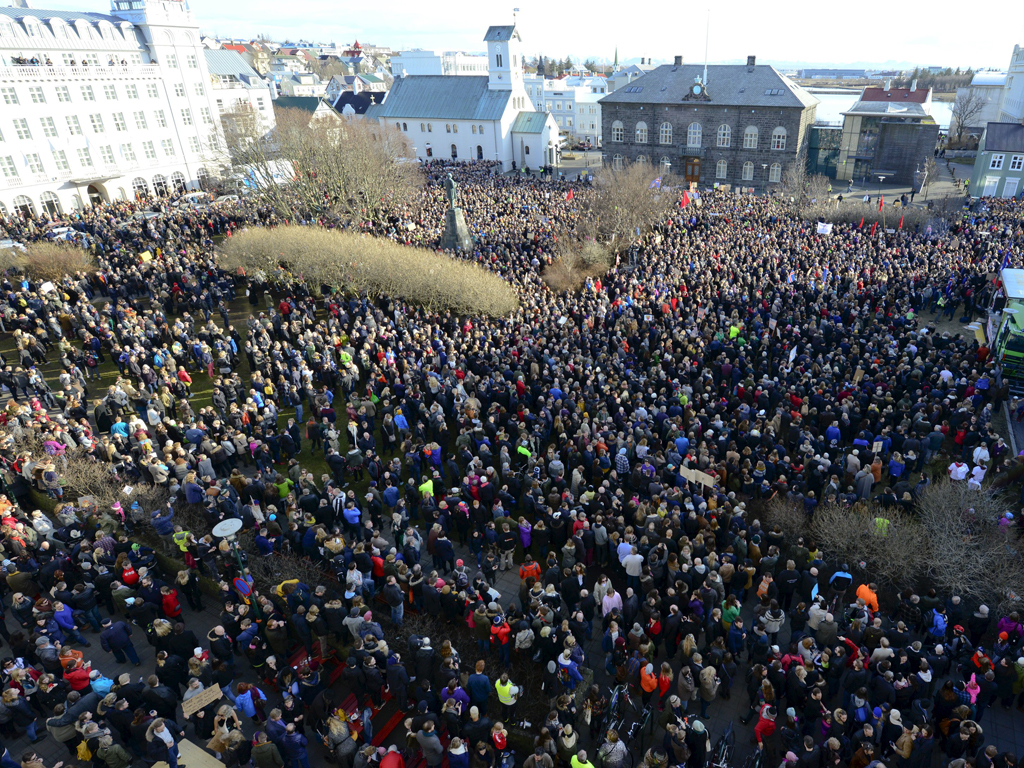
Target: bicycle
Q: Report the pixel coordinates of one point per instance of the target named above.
(640, 726)
(620, 698)
(755, 760)
(724, 748)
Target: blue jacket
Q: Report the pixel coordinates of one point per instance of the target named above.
(65, 618)
(276, 731)
(116, 637)
(294, 746)
(163, 524)
(479, 687)
(244, 702)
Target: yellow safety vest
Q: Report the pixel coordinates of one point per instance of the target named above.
(505, 692)
(180, 538)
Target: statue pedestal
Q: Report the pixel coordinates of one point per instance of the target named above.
(456, 233)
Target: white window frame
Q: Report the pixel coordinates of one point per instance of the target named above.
(37, 94)
(1017, 163)
(996, 162)
(618, 132)
(748, 171)
(641, 132)
(21, 129)
(725, 135)
(694, 135)
(49, 127)
(779, 139)
(665, 133)
(775, 173)
(722, 169)
(61, 159)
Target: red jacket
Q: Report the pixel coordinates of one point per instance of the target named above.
(764, 727)
(499, 634)
(171, 605)
(78, 679)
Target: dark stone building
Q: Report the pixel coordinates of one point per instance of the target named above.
(744, 126)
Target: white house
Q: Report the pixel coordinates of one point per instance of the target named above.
(574, 102)
(1011, 109)
(102, 107)
(988, 87)
(471, 117)
(420, 62)
(237, 86)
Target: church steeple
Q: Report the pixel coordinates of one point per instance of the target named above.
(505, 69)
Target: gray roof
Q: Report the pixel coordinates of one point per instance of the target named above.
(442, 97)
(530, 122)
(222, 62)
(887, 108)
(305, 103)
(500, 33)
(728, 85)
(71, 16)
(1004, 137)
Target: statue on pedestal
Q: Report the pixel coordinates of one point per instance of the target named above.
(451, 190)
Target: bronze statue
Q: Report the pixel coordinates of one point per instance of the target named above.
(451, 189)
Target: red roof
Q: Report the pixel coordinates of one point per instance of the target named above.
(231, 47)
(920, 96)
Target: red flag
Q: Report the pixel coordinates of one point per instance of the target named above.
(881, 202)
(901, 223)
(569, 195)
(685, 201)
(873, 226)
(861, 225)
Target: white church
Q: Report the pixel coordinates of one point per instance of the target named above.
(474, 118)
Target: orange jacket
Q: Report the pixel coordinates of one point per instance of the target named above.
(870, 598)
(526, 570)
(649, 682)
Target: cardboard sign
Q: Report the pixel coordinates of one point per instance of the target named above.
(688, 474)
(772, 323)
(46, 287)
(201, 699)
(858, 376)
(705, 479)
(876, 447)
(146, 256)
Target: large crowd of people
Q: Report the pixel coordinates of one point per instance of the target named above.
(413, 457)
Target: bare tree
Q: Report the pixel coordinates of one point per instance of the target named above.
(623, 206)
(53, 261)
(968, 105)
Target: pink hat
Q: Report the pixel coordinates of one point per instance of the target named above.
(368, 616)
(439, 584)
(458, 563)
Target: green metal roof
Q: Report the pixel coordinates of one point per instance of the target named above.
(530, 122)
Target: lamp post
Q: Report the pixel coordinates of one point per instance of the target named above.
(764, 168)
(226, 529)
(881, 178)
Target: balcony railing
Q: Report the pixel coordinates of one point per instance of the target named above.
(98, 72)
(14, 181)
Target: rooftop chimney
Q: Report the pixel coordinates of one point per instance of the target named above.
(678, 61)
(888, 84)
(751, 61)
(913, 85)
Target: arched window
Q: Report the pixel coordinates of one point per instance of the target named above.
(76, 202)
(203, 177)
(641, 133)
(693, 135)
(405, 127)
(527, 150)
(617, 162)
(140, 187)
(160, 184)
(775, 173)
(479, 152)
(121, 194)
(455, 127)
(724, 136)
(642, 160)
(618, 132)
(750, 137)
(474, 127)
(748, 168)
(665, 133)
(23, 205)
(722, 170)
(398, 126)
(448, 128)
(779, 138)
(480, 130)
(423, 127)
(430, 128)
(178, 181)
(50, 203)
(455, 152)
(666, 165)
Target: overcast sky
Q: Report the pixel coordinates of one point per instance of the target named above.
(911, 31)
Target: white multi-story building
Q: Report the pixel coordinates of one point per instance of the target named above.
(102, 107)
(237, 87)
(573, 102)
(1011, 109)
(420, 62)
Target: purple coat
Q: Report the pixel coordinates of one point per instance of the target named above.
(525, 535)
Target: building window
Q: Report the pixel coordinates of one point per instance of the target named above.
(779, 138)
(261, 105)
(423, 127)
(618, 132)
(97, 123)
(168, 147)
(34, 163)
(693, 135)
(455, 127)
(84, 157)
(474, 128)
(1017, 163)
(748, 167)
(68, 59)
(193, 62)
(49, 129)
(642, 160)
(37, 95)
(61, 160)
(63, 94)
(186, 117)
(119, 123)
(641, 133)
(498, 60)
(448, 128)
(140, 121)
(204, 113)
(665, 134)
(179, 90)
(74, 127)
(995, 164)
(480, 130)
(161, 119)
(722, 170)
(21, 128)
(775, 173)
(430, 128)
(87, 93)
(617, 162)
(128, 153)
(750, 138)
(172, 61)
(193, 144)
(8, 167)
(110, 92)
(455, 152)
(131, 90)
(152, 90)
(558, 106)
(107, 153)
(405, 126)
(724, 136)
(150, 151)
